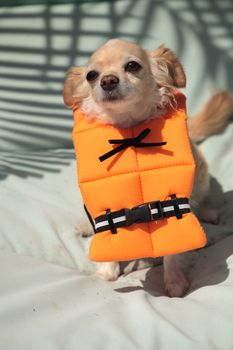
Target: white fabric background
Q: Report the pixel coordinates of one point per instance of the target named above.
(49, 296)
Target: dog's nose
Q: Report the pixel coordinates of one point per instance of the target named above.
(109, 82)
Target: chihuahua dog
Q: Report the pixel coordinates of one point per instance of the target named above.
(123, 84)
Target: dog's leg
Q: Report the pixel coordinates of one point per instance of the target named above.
(83, 228)
(175, 282)
(109, 271)
(200, 201)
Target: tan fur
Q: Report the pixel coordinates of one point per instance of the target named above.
(143, 95)
(72, 92)
(173, 71)
(213, 118)
(161, 71)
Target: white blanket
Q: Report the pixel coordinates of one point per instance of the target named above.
(46, 306)
(53, 300)
(50, 298)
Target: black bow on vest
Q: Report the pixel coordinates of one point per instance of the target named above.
(134, 141)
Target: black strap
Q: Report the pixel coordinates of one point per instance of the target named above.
(110, 221)
(134, 141)
(178, 213)
(90, 218)
(146, 212)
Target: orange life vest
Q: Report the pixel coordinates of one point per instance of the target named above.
(154, 180)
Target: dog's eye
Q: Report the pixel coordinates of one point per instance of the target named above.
(132, 66)
(92, 75)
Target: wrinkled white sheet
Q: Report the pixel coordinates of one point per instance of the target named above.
(52, 299)
(49, 296)
(41, 207)
(46, 306)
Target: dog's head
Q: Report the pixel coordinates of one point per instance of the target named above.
(123, 84)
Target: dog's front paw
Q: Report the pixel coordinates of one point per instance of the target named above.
(109, 271)
(177, 287)
(84, 229)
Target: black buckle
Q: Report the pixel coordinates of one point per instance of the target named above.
(140, 213)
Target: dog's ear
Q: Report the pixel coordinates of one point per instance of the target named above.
(73, 91)
(166, 68)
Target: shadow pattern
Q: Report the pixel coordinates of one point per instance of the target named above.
(39, 43)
